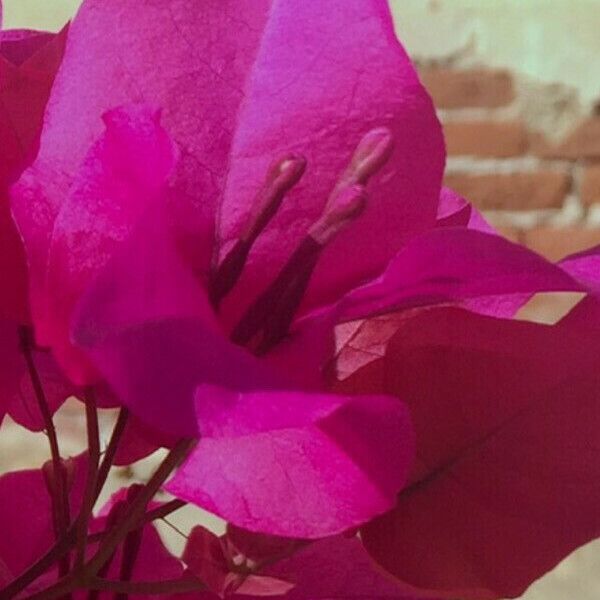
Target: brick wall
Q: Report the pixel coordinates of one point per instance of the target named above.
(538, 188)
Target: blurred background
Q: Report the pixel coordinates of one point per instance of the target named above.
(517, 87)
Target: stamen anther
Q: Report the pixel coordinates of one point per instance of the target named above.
(372, 152)
(343, 207)
(268, 319)
(283, 175)
(348, 198)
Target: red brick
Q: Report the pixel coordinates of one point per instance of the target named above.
(555, 244)
(469, 88)
(512, 191)
(590, 184)
(486, 138)
(582, 142)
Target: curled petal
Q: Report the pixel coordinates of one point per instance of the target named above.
(455, 265)
(124, 172)
(144, 301)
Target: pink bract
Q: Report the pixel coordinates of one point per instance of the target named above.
(506, 416)
(28, 63)
(200, 87)
(127, 225)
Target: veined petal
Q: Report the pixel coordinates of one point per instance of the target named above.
(205, 55)
(303, 481)
(124, 173)
(316, 90)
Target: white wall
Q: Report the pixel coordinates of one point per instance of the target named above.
(552, 40)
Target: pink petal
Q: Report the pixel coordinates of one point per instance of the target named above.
(506, 416)
(454, 265)
(28, 63)
(455, 211)
(204, 59)
(585, 267)
(125, 172)
(316, 91)
(205, 559)
(337, 567)
(302, 481)
(146, 300)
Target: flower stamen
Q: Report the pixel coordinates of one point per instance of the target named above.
(281, 177)
(267, 320)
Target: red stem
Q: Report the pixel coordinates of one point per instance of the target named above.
(66, 543)
(131, 520)
(89, 498)
(173, 586)
(111, 450)
(59, 491)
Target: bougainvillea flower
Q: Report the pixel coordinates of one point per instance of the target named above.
(219, 105)
(505, 483)
(256, 98)
(28, 63)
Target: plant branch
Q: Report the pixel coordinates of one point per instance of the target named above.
(131, 520)
(63, 546)
(137, 508)
(89, 498)
(59, 491)
(173, 586)
(111, 449)
(152, 515)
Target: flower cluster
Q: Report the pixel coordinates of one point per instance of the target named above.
(225, 219)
